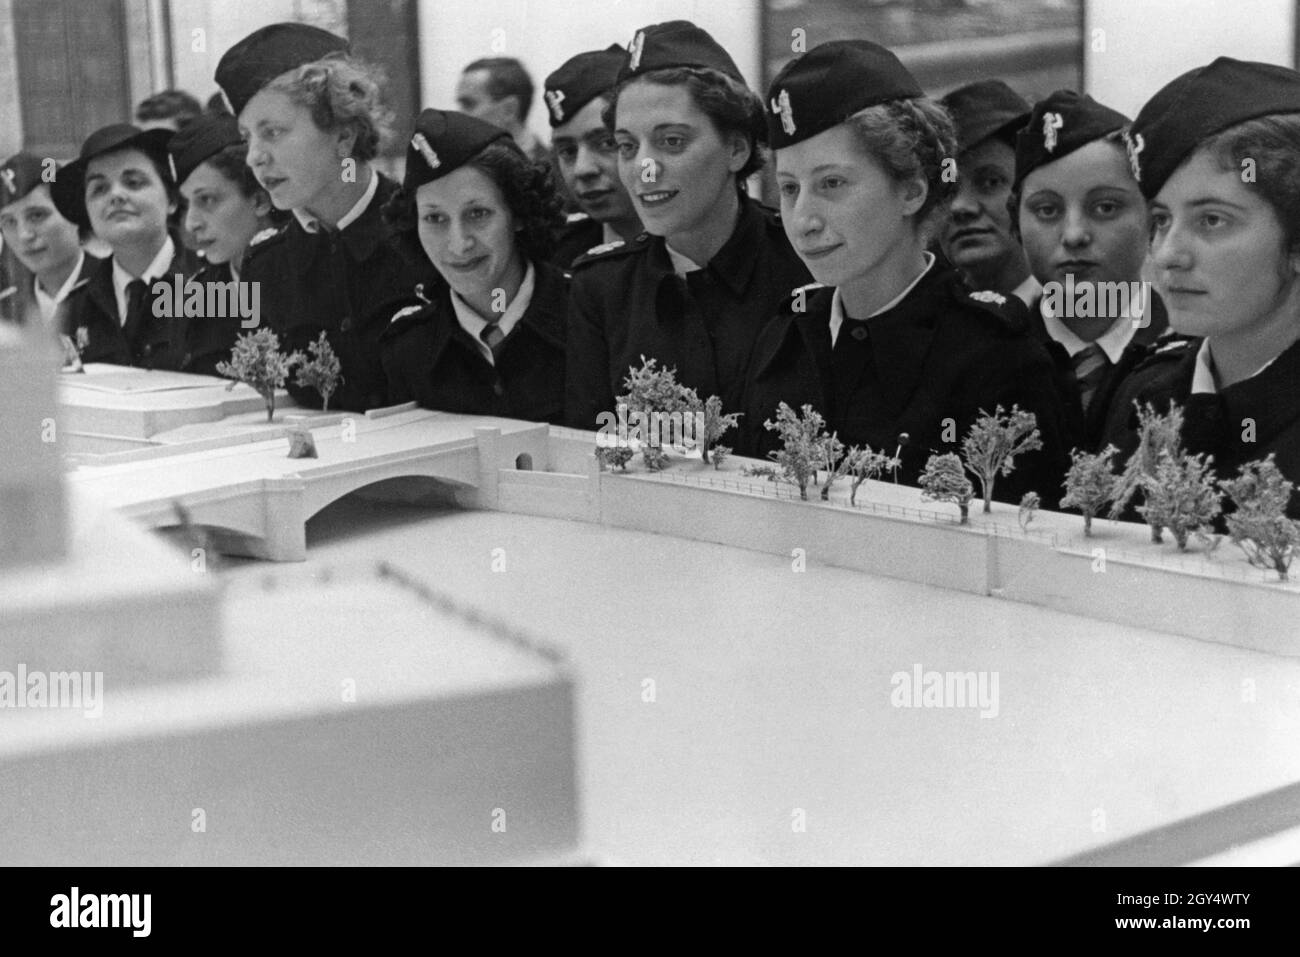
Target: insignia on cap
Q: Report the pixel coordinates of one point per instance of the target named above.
(1051, 123)
(634, 50)
(425, 150)
(9, 176)
(553, 99)
(171, 162)
(988, 295)
(781, 107)
(1135, 145)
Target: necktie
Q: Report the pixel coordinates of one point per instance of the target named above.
(1090, 366)
(493, 336)
(136, 291)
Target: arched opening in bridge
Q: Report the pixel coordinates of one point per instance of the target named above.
(524, 462)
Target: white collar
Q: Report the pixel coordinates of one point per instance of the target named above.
(157, 270)
(608, 234)
(1028, 291)
(47, 303)
(312, 225)
(474, 324)
(1113, 341)
(837, 303)
(1203, 377)
(681, 265)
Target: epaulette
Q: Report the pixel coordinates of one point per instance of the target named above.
(1010, 312)
(1171, 347)
(609, 251)
(573, 218)
(406, 312)
(265, 236)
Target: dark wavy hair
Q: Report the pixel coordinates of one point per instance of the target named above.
(230, 162)
(733, 107)
(342, 91)
(529, 191)
(1273, 144)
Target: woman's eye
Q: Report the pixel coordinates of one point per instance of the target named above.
(1044, 211)
(626, 148)
(1213, 220)
(97, 188)
(607, 146)
(433, 219)
(832, 182)
(790, 189)
(1107, 209)
(674, 142)
(480, 213)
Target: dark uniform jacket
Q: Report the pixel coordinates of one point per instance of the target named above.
(1085, 431)
(346, 284)
(941, 353)
(210, 339)
(21, 306)
(91, 320)
(627, 303)
(577, 237)
(429, 358)
(1218, 423)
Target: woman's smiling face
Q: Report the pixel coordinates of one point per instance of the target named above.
(126, 199)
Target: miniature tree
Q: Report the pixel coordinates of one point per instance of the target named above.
(613, 456)
(322, 371)
(257, 360)
(994, 441)
(1259, 526)
(1091, 483)
(1181, 495)
(1157, 435)
(944, 480)
(831, 450)
(802, 447)
(1029, 503)
(716, 425)
(651, 390)
(862, 463)
(720, 453)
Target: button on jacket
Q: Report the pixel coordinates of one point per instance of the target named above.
(627, 302)
(937, 355)
(346, 284)
(429, 358)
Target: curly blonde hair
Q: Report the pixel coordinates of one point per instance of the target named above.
(342, 92)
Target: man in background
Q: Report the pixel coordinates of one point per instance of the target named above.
(499, 90)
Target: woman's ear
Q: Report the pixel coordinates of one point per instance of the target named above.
(346, 140)
(741, 149)
(915, 192)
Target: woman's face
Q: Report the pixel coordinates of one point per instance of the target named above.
(977, 235)
(40, 237)
(1083, 215)
(218, 215)
(296, 161)
(672, 160)
(843, 213)
(1218, 252)
(126, 200)
(468, 233)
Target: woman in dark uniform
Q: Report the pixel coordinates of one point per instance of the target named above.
(490, 338)
(121, 188)
(1084, 225)
(891, 343)
(1215, 155)
(313, 122)
(224, 209)
(695, 289)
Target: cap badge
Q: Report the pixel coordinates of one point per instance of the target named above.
(171, 163)
(553, 99)
(9, 178)
(425, 150)
(1051, 123)
(781, 106)
(1135, 144)
(634, 50)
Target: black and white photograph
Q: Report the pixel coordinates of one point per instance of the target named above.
(773, 433)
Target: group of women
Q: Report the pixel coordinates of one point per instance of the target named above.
(908, 283)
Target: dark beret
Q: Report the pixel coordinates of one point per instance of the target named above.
(677, 43)
(580, 80)
(201, 139)
(828, 84)
(443, 142)
(1058, 126)
(264, 54)
(69, 188)
(1199, 104)
(980, 110)
(19, 175)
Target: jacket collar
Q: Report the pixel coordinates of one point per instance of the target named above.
(360, 238)
(734, 263)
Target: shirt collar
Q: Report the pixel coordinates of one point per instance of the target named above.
(474, 324)
(734, 262)
(608, 234)
(837, 303)
(1203, 375)
(311, 224)
(47, 303)
(681, 265)
(157, 269)
(1113, 341)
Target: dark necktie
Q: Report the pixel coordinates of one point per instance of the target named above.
(136, 319)
(1090, 367)
(493, 336)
